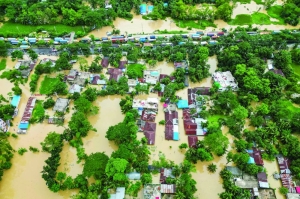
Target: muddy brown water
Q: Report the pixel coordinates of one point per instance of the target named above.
(24, 180)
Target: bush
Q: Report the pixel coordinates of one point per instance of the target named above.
(33, 149)
(21, 151)
(162, 122)
(14, 135)
(283, 190)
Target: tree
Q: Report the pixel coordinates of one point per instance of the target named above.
(290, 13)
(212, 168)
(296, 55)
(146, 178)
(122, 132)
(224, 12)
(90, 94)
(126, 104)
(52, 142)
(32, 54)
(62, 63)
(17, 90)
(95, 67)
(216, 143)
(115, 170)
(83, 105)
(48, 103)
(17, 54)
(79, 124)
(3, 48)
(95, 165)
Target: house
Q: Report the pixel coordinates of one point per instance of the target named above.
(122, 64)
(150, 104)
(284, 164)
(24, 123)
(120, 193)
(152, 191)
(287, 182)
(150, 9)
(143, 9)
(4, 126)
(96, 80)
(164, 174)
(74, 89)
(278, 72)
(132, 84)
(148, 116)
(56, 120)
(72, 75)
(194, 126)
(15, 101)
(168, 188)
(61, 104)
(171, 126)
(292, 196)
(27, 67)
(225, 80)
(192, 140)
(256, 155)
(134, 176)
(115, 73)
(149, 132)
(262, 180)
(81, 78)
(151, 76)
(236, 172)
(45, 60)
(193, 93)
(105, 62)
(182, 64)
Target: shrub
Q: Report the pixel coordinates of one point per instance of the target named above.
(21, 151)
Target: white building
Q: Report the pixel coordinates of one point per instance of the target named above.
(150, 103)
(151, 76)
(225, 80)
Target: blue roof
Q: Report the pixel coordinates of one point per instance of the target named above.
(251, 161)
(15, 100)
(182, 104)
(176, 136)
(23, 125)
(143, 8)
(154, 73)
(150, 8)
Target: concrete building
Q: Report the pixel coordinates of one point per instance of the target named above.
(45, 60)
(150, 103)
(151, 76)
(225, 80)
(61, 105)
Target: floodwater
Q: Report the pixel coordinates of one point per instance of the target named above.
(271, 168)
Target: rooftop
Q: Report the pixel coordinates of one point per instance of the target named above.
(225, 80)
(151, 76)
(115, 73)
(105, 62)
(61, 104)
(45, 60)
(150, 103)
(192, 140)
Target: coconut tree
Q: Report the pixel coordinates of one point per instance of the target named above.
(212, 168)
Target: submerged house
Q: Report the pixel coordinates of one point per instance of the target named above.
(192, 140)
(256, 156)
(284, 165)
(96, 80)
(61, 104)
(164, 174)
(194, 126)
(105, 62)
(262, 180)
(72, 75)
(115, 73)
(193, 93)
(4, 126)
(151, 76)
(75, 89)
(150, 104)
(171, 126)
(120, 193)
(143, 9)
(149, 132)
(225, 80)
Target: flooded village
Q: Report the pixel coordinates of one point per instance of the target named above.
(166, 125)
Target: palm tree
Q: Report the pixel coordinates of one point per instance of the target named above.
(212, 168)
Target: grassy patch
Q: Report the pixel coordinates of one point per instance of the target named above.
(274, 12)
(48, 84)
(260, 18)
(2, 64)
(296, 68)
(200, 24)
(38, 112)
(255, 18)
(15, 29)
(242, 19)
(137, 69)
